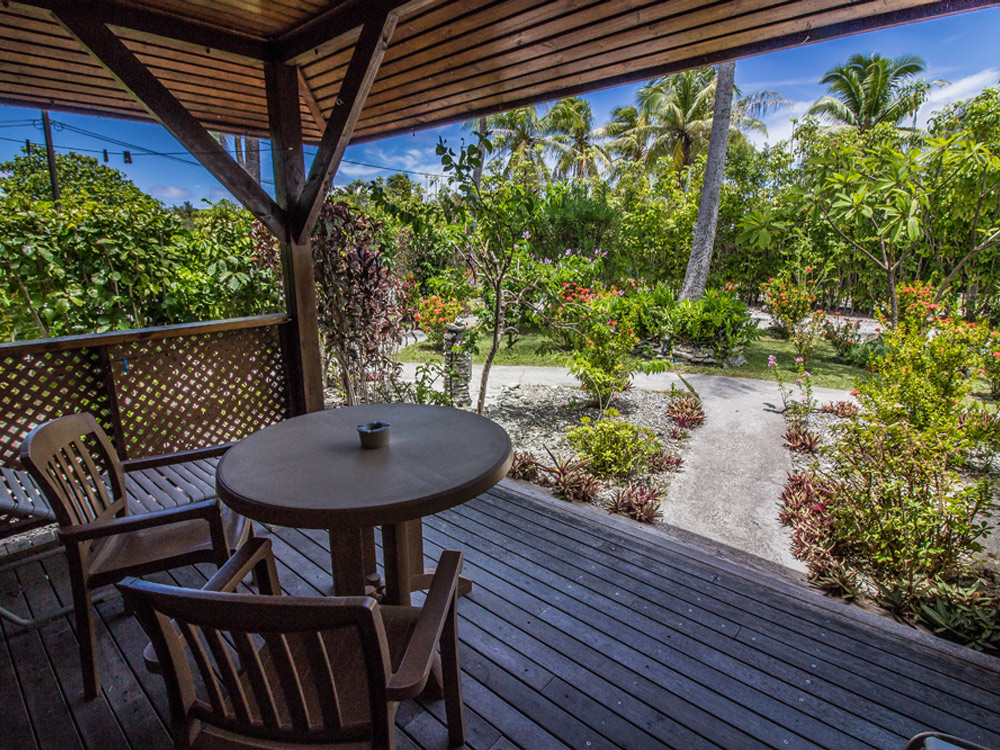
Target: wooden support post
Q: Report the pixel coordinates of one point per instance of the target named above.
(305, 369)
(358, 80)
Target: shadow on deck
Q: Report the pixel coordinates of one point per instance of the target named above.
(582, 631)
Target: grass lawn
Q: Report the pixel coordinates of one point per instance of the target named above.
(827, 371)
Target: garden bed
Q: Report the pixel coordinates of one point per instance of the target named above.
(537, 417)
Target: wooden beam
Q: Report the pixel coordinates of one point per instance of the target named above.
(303, 353)
(136, 78)
(307, 96)
(358, 79)
(334, 26)
(155, 23)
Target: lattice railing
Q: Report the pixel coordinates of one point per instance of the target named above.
(156, 391)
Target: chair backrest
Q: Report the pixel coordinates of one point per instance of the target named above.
(276, 668)
(66, 457)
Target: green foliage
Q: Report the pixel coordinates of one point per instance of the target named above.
(900, 515)
(717, 321)
(602, 357)
(964, 613)
(113, 258)
(614, 447)
(572, 215)
(922, 379)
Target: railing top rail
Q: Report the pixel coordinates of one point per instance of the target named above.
(139, 334)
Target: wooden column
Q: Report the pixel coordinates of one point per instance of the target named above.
(305, 368)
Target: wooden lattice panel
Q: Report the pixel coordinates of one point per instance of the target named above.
(184, 393)
(38, 386)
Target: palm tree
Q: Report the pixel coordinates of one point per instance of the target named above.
(675, 112)
(869, 90)
(518, 136)
(569, 126)
(627, 135)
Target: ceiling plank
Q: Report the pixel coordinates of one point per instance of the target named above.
(358, 79)
(161, 25)
(136, 78)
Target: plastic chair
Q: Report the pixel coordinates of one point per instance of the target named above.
(264, 670)
(103, 543)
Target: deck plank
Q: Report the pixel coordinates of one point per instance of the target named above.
(581, 631)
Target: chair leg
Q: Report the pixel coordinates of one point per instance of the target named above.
(452, 675)
(86, 636)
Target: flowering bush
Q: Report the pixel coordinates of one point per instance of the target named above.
(789, 300)
(434, 313)
(843, 335)
(808, 333)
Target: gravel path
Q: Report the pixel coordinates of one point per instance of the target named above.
(735, 464)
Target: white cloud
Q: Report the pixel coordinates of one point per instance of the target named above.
(779, 124)
(963, 88)
(171, 193)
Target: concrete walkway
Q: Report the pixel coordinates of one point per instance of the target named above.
(736, 464)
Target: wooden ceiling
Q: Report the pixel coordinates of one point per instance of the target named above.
(447, 60)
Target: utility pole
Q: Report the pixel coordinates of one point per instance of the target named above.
(51, 154)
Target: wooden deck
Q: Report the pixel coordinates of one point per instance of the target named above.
(582, 631)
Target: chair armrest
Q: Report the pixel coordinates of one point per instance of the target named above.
(416, 663)
(209, 510)
(254, 555)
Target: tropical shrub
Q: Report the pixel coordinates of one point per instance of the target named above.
(357, 302)
(434, 313)
(686, 411)
(717, 322)
(637, 500)
(805, 336)
(991, 363)
(843, 335)
(614, 447)
(602, 360)
(789, 300)
(899, 514)
(569, 478)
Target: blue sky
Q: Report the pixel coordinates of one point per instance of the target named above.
(961, 49)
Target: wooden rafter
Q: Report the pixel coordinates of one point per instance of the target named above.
(310, 101)
(136, 78)
(334, 26)
(361, 72)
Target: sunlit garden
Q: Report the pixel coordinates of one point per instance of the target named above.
(860, 255)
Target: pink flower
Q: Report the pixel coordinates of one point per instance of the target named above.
(799, 359)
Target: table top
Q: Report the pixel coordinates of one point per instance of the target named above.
(311, 471)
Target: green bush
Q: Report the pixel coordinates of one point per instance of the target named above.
(899, 514)
(614, 447)
(602, 357)
(717, 321)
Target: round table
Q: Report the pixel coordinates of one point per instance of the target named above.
(311, 472)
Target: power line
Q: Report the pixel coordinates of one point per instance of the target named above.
(137, 150)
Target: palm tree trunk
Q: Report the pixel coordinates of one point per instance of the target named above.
(252, 148)
(696, 276)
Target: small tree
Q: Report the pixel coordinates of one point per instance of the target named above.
(357, 301)
(498, 214)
